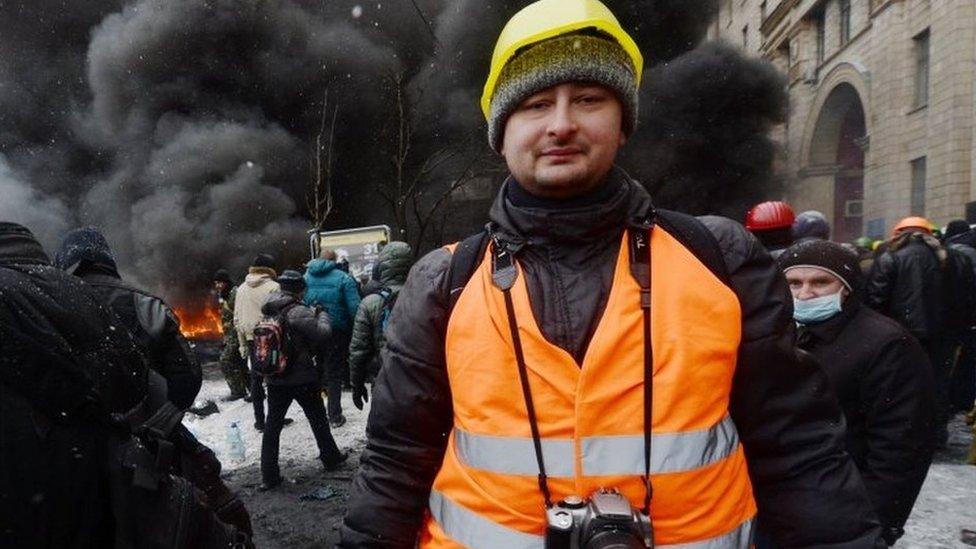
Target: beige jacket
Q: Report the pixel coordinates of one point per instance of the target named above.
(251, 296)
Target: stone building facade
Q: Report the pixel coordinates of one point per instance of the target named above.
(882, 120)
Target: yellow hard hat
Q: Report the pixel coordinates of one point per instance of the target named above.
(550, 18)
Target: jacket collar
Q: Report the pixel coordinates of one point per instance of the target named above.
(622, 201)
(18, 246)
(268, 271)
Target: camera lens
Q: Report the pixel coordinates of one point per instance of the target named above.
(613, 539)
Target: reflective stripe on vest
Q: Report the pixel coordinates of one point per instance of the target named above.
(611, 455)
(590, 411)
(469, 529)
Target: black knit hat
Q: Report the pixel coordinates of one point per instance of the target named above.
(222, 276)
(956, 227)
(828, 256)
(292, 282)
(264, 260)
(86, 244)
(577, 57)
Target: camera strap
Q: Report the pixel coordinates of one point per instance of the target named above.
(640, 268)
(504, 273)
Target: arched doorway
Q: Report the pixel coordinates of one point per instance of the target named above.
(838, 144)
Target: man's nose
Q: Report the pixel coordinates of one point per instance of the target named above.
(563, 122)
(806, 292)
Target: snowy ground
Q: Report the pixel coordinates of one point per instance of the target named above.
(281, 519)
(947, 503)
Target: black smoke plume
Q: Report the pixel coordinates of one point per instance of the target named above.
(703, 145)
(184, 129)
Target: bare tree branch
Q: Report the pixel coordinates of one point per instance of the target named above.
(430, 28)
(319, 197)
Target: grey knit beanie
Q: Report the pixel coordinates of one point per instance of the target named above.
(570, 58)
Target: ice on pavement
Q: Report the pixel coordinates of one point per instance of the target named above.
(297, 442)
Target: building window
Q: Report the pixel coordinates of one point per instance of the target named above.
(921, 47)
(845, 21)
(818, 20)
(918, 186)
(745, 37)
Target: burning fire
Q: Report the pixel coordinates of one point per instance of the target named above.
(200, 322)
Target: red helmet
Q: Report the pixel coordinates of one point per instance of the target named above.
(767, 216)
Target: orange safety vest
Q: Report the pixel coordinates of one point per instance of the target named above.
(487, 495)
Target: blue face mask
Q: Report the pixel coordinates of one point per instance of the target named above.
(817, 309)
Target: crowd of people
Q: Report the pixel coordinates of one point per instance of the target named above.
(333, 331)
(96, 378)
(588, 371)
(923, 278)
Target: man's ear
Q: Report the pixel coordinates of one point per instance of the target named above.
(623, 138)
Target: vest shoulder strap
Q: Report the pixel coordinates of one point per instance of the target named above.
(465, 260)
(690, 231)
(695, 236)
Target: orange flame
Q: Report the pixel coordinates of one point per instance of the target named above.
(200, 321)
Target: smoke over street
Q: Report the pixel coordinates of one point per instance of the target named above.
(486, 273)
(186, 130)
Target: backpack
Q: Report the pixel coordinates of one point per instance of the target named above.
(269, 354)
(691, 232)
(389, 300)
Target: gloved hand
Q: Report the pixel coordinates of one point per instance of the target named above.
(359, 395)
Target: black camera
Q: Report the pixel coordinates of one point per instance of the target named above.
(605, 521)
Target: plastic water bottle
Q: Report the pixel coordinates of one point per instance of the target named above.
(235, 442)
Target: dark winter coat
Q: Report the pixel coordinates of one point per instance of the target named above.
(306, 329)
(883, 380)
(67, 471)
(61, 357)
(333, 290)
(907, 283)
(367, 334)
(807, 488)
(963, 244)
(156, 331)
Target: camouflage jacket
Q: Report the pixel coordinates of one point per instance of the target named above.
(227, 318)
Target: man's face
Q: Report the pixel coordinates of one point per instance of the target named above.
(562, 141)
(810, 282)
(219, 285)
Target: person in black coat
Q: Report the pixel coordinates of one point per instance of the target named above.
(962, 239)
(305, 329)
(879, 372)
(86, 254)
(927, 289)
(70, 380)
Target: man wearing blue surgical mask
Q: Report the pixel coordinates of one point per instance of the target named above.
(879, 372)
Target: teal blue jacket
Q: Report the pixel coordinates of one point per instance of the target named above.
(334, 290)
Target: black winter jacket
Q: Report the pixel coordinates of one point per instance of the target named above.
(882, 378)
(62, 361)
(306, 329)
(906, 283)
(155, 329)
(807, 488)
(963, 244)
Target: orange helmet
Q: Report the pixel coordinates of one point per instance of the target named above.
(767, 216)
(913, 222)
